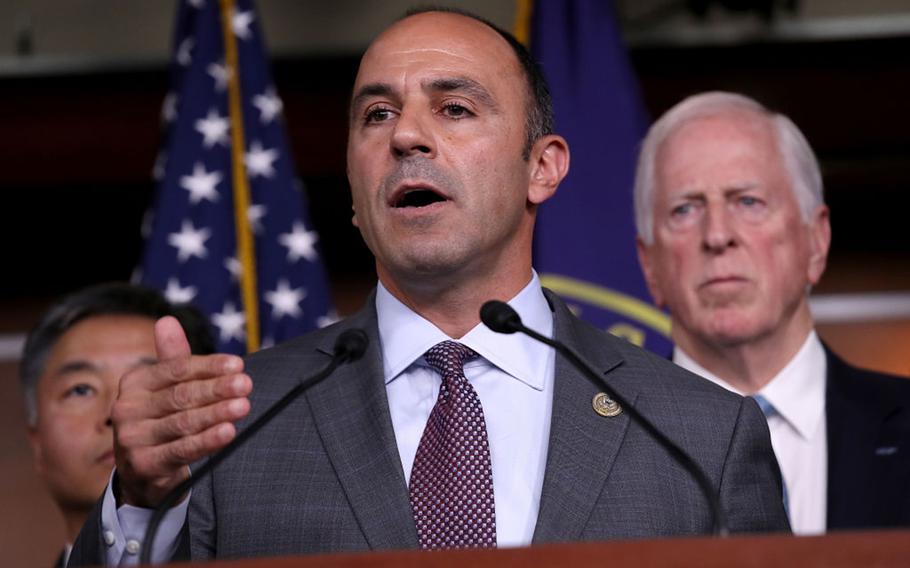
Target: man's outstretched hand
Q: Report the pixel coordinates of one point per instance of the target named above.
(172, 413)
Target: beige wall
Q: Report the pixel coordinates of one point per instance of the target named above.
(31, 529)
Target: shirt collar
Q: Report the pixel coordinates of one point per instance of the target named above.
(797, 392)
(405, 336)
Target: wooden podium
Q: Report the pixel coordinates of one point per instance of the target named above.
(884, 549)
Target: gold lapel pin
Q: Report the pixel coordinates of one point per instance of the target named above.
(606, 406)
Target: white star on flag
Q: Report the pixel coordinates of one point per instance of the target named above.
(197, 3)
(234, 267)
(285, 301)
(269, 105)
(220, 73)
(176, 294)
(254, 215)
(201, 184)
(241, 24)
(169, 107)
(185, 52)
(259, 161)
(214, 129)
(300, 243)
(189, 242)
(230, 323)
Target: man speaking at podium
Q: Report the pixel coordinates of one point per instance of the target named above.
(445, 434)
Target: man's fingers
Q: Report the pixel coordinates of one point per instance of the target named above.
(166, 373)
(193, 448)
(196, 394)
(189, 422)
(152, 462)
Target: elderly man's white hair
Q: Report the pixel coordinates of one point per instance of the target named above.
(800, 162)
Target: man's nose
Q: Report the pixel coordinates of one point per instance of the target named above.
(107, 411)
(411, 135)
(718, 230)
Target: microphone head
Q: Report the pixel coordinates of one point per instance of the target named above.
(500, 317)
(352, 344)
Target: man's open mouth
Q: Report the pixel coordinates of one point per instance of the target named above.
(418, 197)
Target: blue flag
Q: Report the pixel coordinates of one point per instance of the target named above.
(585, 241)
(228, 230)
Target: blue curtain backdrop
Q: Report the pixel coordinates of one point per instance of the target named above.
(585, 241)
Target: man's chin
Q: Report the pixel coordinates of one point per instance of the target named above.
(428, 260)
(731, 329)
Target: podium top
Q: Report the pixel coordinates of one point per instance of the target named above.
(883, 549)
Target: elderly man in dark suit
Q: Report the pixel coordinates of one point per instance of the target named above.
(732, 233)
(445, 434)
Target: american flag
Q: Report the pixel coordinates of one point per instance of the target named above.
(228, 229)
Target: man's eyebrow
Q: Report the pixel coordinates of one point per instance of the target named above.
(465, 85)
(77, 366)
(370, 90)
(81, 365)
(739, 187)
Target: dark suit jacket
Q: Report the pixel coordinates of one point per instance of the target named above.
(868, 419)
(326, 476)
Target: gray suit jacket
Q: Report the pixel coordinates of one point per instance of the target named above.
(325, 475)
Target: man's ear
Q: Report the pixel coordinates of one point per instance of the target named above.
(647, 268)
(819, 227)
(549, 164)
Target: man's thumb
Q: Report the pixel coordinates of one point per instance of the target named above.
(170, 340)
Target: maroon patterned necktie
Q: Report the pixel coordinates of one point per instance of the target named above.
(452, 479)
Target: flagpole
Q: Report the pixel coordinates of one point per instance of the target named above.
(245, 251)
(522, 27)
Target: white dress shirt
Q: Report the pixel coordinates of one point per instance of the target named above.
(798, 430)
(513, 378)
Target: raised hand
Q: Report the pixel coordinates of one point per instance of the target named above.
(173, 413)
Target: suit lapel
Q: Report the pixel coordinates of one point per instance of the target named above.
(582, 445)
(351, 413)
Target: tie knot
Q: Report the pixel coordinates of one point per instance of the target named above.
(765, 405)
(448, 357)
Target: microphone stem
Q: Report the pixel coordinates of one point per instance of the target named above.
(720, 518)
(177, 492)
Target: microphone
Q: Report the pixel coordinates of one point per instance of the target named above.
(502, 318)
(350, 346)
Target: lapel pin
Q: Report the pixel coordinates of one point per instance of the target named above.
(606, 406)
